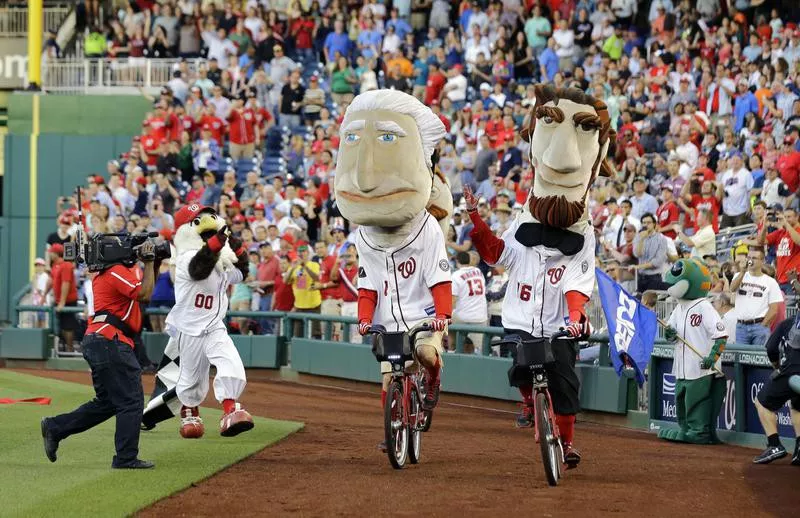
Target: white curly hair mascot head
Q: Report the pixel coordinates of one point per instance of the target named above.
(385, 167)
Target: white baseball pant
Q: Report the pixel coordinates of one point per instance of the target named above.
(197, 354)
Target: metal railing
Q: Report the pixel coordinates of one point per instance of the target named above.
(85, 76)
(14, 20)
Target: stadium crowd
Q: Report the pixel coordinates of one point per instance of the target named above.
(704, 97)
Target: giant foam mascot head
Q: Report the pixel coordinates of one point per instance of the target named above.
(570, 135)
(194, 225)
(385, 166)
(688, 279)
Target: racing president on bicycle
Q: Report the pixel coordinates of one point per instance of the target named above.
(384, 181)
(548, 251)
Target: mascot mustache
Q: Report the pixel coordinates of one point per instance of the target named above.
(556, 211)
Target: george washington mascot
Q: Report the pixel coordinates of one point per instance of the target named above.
(548, 251)
(207, 262)
(386, 182)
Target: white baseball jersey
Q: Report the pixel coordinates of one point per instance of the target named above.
(404, 275)
(469, 288)
(538, 278)
(199, 306)
(697, 322)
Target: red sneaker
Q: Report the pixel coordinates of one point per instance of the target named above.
(191, 425)
(236, 422)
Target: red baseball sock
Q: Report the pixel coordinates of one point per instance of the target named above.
(433, 372)
(566, 427)
(228, 405)
(527, 394)
(383, 398)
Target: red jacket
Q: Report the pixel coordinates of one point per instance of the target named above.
(788, 166)
(242, 126)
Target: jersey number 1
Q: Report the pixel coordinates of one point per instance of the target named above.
(204, 301)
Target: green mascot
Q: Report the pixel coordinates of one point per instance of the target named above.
(699, 383)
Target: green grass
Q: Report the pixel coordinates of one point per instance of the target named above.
(81, 482)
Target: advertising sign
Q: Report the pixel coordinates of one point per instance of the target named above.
(13, 63)
(727, 416)
(665, 409)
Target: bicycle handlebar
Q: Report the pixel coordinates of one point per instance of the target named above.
(422, 326)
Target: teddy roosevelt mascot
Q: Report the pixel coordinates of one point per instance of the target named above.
(548, 251)
(699, 383)
(208, 260)
(384, 182)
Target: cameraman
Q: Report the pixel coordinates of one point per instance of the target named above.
(116, 374)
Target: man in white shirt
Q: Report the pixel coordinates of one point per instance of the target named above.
(757, 298)
(219, 47)
(614, 230)
(469, 300)
(456, 86)
(736, 184)
(704, 241)
(687, 153)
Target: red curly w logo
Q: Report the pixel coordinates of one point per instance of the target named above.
(695, 320)
(556, 274)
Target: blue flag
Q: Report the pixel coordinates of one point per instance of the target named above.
(631, 326)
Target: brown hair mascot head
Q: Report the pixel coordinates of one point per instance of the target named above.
(570, 135)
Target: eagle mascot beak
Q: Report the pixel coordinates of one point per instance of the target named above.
(207, 226)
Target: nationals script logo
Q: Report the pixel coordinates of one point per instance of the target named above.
(556, 274)
(695, 320)
(407, 268)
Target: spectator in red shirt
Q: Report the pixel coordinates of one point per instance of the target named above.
(283, 300)
(786, 240)
(65, 292)
(668, 213)
(268, 275)
(242, 121)
(788, 165)
(196, 192)
(435, 84)
(708, 199)
(329, 288)
(150, 145)
(213, 123)
(346, 274)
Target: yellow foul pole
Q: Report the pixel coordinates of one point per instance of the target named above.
(35, 32)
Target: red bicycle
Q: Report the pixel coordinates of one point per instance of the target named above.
(404, 419)
(529, 368)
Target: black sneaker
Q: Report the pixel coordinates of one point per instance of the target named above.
(50, 442)
(137, 464)
(796, 456)
(770, 454)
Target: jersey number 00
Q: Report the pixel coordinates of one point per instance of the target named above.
(204, 301)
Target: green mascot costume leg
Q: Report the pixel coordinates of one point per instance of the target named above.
(697, 405)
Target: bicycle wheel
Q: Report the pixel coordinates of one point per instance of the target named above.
(415, 427)
(548, 442)
(395, 431)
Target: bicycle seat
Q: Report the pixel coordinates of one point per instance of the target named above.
(392, 347)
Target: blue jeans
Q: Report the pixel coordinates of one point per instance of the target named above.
(752, 334)
(267, 324)
(117, 379)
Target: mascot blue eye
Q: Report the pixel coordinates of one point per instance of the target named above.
(387, 137)
(351, 138)
(677, 269)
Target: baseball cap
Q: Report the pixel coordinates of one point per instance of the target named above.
(141, 181)
(640, 179)
(238, 218)
(188, 212)
(503, 207)
(288, 238)
(302, 248)
(486, 86)
(235, 204)
(788, 140)
(64, 220)
(56, 248)
(39, 262)
(258, 206)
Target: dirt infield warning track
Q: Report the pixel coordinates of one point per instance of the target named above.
(474, 463)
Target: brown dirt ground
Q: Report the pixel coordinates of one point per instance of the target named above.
(475, 463)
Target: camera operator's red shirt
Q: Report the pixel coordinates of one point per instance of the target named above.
(116, 290)
(787, 253)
